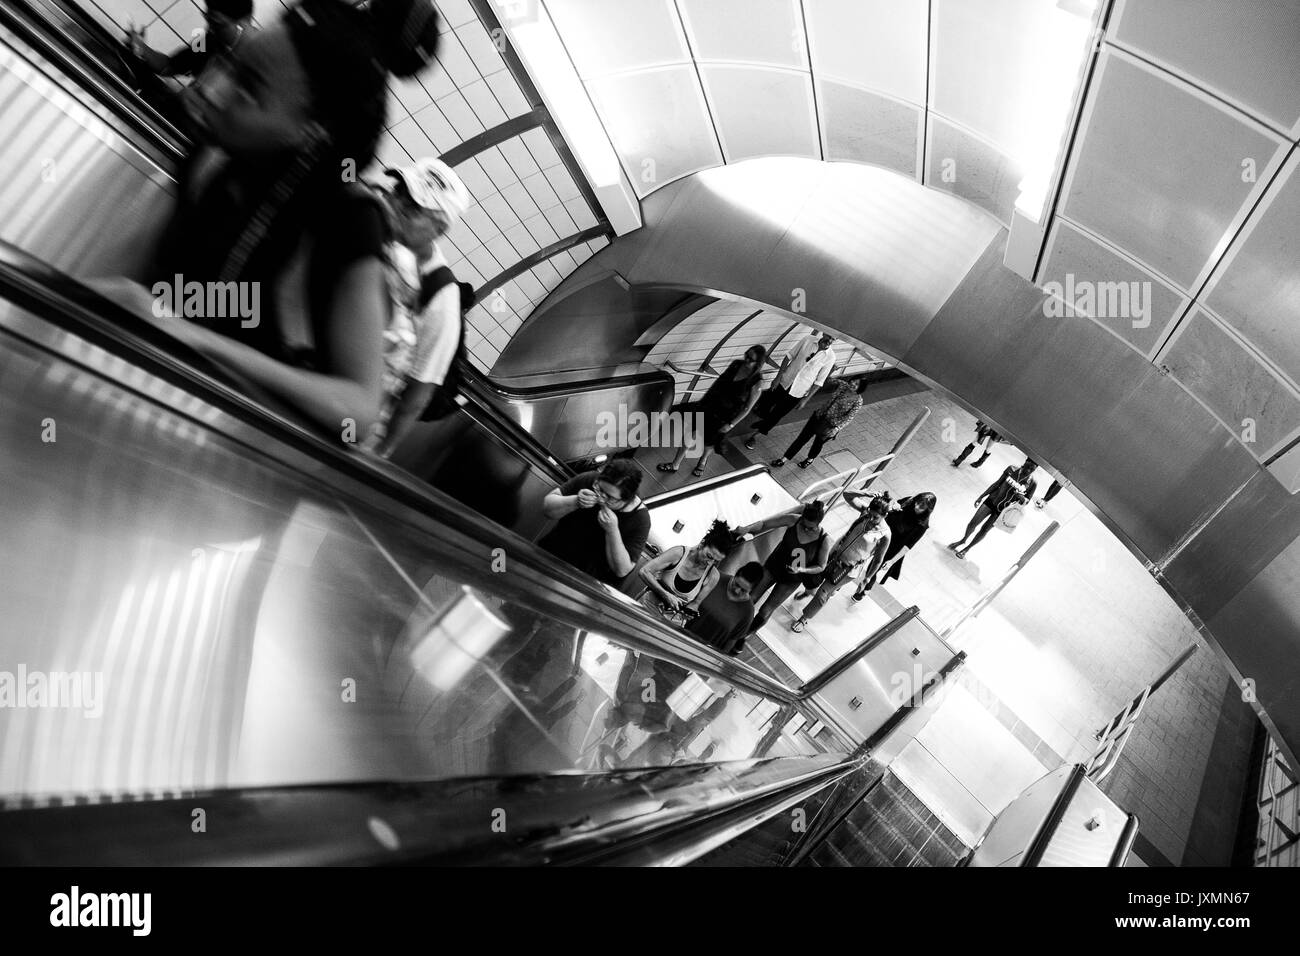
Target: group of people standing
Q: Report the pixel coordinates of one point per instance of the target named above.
(738, 390)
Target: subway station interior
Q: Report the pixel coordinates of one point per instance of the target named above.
(603, 564)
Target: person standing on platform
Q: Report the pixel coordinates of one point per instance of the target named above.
(1014, 486)
(799, 558)
(803, 372)
(860, 552)
(726, 403)
(825, 423)
(985, 439)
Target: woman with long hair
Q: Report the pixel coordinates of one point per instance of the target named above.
(799, 558)
(858, 554)
(908, 520)
(274, 206)
(681, 578)
(724, 405)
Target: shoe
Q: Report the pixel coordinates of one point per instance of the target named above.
(1039, 504)
(751, 444)
(778, 462)
(954, 546)
(961, 554)
(798, 626)
(805, 463)
(857, 597)
(955, 462)
(698, 471)
(666, 466)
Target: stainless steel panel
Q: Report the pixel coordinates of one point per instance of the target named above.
(249, 624)
(1088, 832)
(1259, 629)
(864, 127)
(1073, 253)
(1245, 49)
(74, 192)
(1126, 185)
(981, 174)
(1257, 290)
(1257, 525)
(1234, 383)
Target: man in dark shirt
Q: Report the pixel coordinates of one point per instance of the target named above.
(725, 615)
(1014, 486)
(601, 525)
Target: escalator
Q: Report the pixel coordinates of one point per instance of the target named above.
(218, 621)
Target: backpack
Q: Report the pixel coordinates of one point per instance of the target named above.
(443, 402)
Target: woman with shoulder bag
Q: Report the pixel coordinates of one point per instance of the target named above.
(859, 553)
(823, 425)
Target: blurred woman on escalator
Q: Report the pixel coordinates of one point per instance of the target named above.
(274, 208)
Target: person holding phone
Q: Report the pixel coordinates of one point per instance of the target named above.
(681, 578)
(601, 526)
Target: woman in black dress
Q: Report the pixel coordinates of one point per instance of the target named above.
(908, 522)
(724, 405)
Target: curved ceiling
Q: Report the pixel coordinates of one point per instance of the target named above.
(970, 96)
(918, 276)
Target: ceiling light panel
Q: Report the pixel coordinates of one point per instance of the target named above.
(873, 44)
(746, 31)
(658, 123)
(761, 112)
(860, 126)
(613, 36)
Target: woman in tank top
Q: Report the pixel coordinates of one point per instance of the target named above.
(682, 577)
(798, 558)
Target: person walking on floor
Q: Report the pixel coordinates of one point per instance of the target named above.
(802, 373)
(798, 559)
(825, 423)
(859, 553)
(1051, 493)
(728, 400)
(985, 439)
(1013, 486)
(908, 522)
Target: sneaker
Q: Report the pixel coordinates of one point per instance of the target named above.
(778, 462)
(805, 463)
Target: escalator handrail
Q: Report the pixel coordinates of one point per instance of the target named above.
(649, 816)
(71, 307)
(66, 41)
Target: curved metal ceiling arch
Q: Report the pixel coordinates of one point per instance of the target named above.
(918, 276)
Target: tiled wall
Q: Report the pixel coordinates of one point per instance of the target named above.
(1184, 769)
